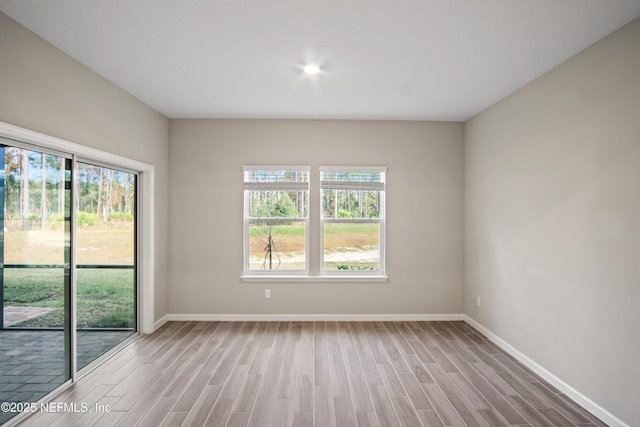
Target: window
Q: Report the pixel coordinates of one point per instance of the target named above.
(346, 226)
(352, 220)
(276, 219)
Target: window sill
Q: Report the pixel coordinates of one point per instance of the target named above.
(304, 279)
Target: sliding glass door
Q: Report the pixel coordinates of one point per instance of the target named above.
(67, 268)
(106, 255)
(35, 274)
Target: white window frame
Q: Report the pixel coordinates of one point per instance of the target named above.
(381, 187)
(274, 186)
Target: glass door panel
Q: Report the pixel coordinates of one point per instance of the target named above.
(105, 258)
(35, 274)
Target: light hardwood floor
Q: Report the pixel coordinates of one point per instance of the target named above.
(315, 374)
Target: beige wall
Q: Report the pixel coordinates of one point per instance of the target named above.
(424, 214)
(553, 221)
(44, 90)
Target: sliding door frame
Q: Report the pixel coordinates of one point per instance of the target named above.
(136, 297)
(70, 285)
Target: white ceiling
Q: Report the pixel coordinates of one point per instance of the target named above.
(381, 59)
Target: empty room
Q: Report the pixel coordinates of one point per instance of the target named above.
(320, 213)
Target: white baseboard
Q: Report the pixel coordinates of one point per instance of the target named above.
(161, 321)
(571, 392)
(312, 317)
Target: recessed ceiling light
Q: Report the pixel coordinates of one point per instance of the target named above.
(311, 69)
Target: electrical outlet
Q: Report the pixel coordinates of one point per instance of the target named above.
(478, 301)
(267, 293)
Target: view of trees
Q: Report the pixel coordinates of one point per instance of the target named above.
(351, 194)
(35, 191)
(281, 204)
(24, 201)
(106, 192)
(281, 199)
(350, 203)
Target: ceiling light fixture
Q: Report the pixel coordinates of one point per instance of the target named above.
(311, 69)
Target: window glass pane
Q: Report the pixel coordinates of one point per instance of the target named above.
(277, 204)
(105, 310)
(106, 298)
(106, 284)
(277, 246)
(105, 216)
(37, 293)
(275, 176)
(350, 204)
(35, 334)
(351, 246)
(342, 176)
(34, 207)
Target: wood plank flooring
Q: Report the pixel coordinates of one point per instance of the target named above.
(315, 374)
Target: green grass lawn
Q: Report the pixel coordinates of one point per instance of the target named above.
(105, 296)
